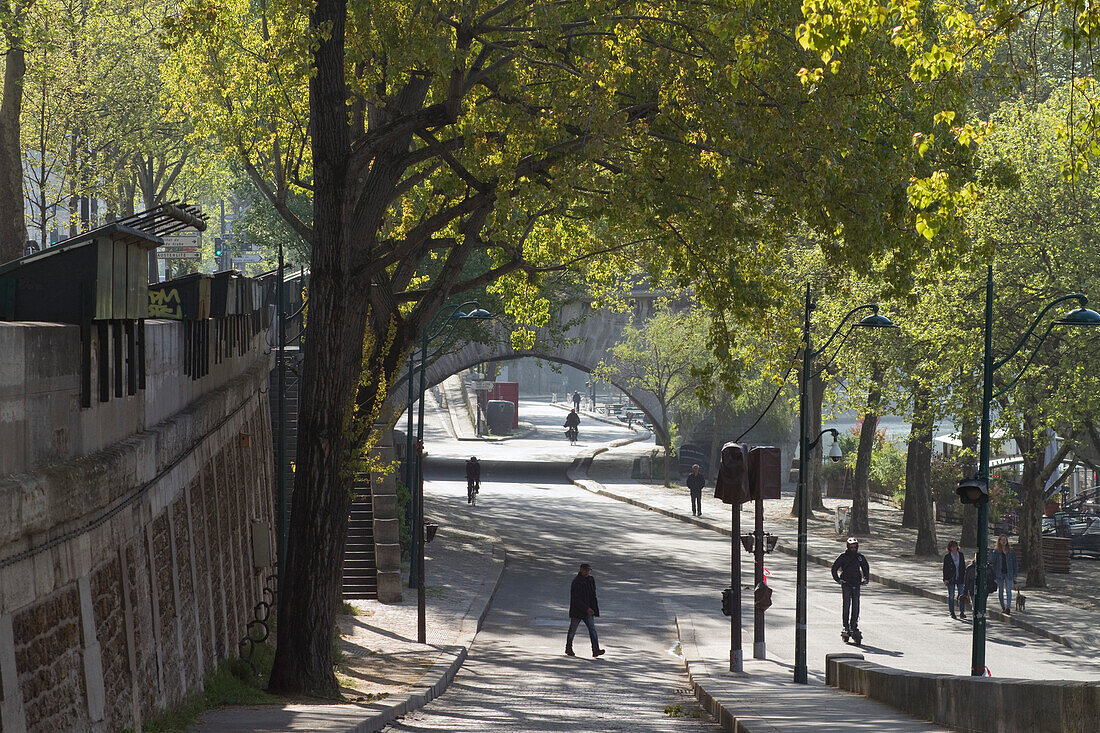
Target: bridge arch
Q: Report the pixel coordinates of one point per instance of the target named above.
(582, 346)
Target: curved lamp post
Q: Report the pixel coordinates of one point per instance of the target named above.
(977, 491)
(414, 469)
(805, 446)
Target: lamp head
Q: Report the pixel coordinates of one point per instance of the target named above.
(1079, 317)
(875, 320)
(477, 314)
(973, 491)
(835, 454)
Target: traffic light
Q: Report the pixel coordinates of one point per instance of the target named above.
(762, 597)
(764, 472)
(973, 491)
(732, 486)
(218, 247)
(727, 602)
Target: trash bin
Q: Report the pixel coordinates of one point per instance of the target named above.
(499, 415)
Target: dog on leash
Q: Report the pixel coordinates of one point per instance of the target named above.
(1021, 599)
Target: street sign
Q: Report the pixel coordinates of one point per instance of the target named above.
(246, 257)
(480, 386)
(184, 245)
(181, 239)
(179, 254)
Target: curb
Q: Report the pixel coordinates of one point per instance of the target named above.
(436, 680)
(582, 480)
(696, 673)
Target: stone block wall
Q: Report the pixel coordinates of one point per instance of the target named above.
(126, 572)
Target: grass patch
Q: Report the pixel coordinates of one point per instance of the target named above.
(231, 683)
(347, 609)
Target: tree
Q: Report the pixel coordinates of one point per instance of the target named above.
(1039, 225)
(662, 358)
(13, 230)
(452, 149)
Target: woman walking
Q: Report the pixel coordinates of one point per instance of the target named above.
(1005, 568)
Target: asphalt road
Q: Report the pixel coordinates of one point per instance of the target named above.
(648, 568)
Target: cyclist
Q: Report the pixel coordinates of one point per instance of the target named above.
(473, 479)
(572, 420)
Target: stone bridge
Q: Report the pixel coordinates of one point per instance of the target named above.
(589, 336)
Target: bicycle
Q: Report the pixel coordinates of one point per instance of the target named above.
(472, 487)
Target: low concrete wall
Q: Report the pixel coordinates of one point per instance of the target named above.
(977, 704)
(128, 558)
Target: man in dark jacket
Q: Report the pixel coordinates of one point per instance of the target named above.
(851, 571)
(583, 606)
(695, 482)
(954, 577)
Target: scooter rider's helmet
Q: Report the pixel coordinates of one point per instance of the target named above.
(853, 543)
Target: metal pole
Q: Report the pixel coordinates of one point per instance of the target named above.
(421, 611)
(410, 462)
(737, 656)
(758, 579)
(281, 478)
(419, 524)
(802, 499)
(977, 666)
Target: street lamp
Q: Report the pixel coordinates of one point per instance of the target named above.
(976, 491)
(872, 320)
(414, 473)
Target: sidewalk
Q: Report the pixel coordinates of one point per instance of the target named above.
(1067, 613)
(386, 673)
(764, 700)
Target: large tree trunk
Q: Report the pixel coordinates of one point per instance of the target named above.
(861, 490)
(817, 384)
(13, 228)
(333, 360)
(912, 452)
(1032, 498)
(969, 439)
(811, 464)
(919, 485)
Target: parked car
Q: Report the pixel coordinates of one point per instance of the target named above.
(1088, 541)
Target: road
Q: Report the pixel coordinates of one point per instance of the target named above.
(648, 569)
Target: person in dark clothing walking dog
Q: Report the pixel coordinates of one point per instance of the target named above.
(851, 571)
(696, 482)
(583, 606)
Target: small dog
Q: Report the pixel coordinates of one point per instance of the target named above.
(1021, 599)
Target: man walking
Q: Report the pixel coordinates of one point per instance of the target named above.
(851, 571)
(583, 606)
(576, 400)
(695, 482)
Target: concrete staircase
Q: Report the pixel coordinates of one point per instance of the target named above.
(360, 579)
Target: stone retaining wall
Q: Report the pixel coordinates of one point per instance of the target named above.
(973, 704)
(127, 573)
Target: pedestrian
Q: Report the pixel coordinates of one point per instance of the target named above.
(1005, 567)
(576, 400)
(583, 606)
(473, 479)
(972, 582)
(954, 577)
(696, 482)
(852, 572)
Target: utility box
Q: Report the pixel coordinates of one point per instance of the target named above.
(186, 297)
(100, 277)
(225, 294)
